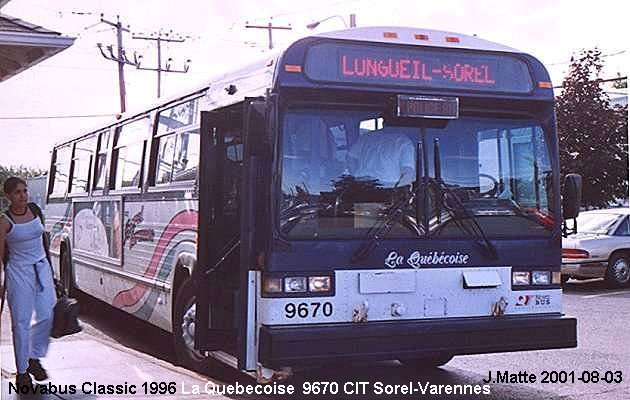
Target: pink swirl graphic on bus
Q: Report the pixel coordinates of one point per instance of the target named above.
(184, 220)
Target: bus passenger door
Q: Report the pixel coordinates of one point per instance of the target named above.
(217, 275)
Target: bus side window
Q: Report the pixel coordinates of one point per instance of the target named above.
(186, 159)
(177, 143)
(101, 158)
(178, 157)
(165, 156)
(61, 169)
(81, 165)
(129, 153)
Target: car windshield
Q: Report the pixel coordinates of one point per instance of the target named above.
(597, 223)
(344, 171)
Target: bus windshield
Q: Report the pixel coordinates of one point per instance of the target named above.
(346, 172)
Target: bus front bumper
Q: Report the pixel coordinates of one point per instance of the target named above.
(314, 344)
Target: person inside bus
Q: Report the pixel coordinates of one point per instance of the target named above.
(314, 165)
(29, 282)
(385, 155)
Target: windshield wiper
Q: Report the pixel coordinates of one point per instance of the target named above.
(299, 208)
(489, 248)
(382, 226)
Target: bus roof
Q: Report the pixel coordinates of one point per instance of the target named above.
(417, 37)
(255, 78)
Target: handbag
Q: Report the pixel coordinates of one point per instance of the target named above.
(65, 317)
(66, 310)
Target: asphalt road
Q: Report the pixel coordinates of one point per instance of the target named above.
(603, 349)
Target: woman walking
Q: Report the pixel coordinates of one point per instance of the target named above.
(29, 283)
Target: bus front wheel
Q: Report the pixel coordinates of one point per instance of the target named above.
(427, 362)
(184, 329)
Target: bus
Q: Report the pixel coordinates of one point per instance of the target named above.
(365, 194)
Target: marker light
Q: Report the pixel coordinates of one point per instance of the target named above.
(452, 39)
(272, 285)
(292, 68)
(319, 283)
(520, 278)
(421, 36)
(295, 284)
(575, 253)
(541, 278)
(390, 35)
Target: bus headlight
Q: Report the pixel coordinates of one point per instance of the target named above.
(272, 285)
(295, 284)
(520, 278)
(319, 284)
(556, 277)
(316, 285)
(541, 278)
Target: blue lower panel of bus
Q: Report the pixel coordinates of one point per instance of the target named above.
(304, 345)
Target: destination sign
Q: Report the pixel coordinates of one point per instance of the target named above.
(417, 67)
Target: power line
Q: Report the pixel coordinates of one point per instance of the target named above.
(603, 55)
(619, 78)
(62, 116)
(167, 67)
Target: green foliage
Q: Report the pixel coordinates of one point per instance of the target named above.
(21, 171)
(593, 135)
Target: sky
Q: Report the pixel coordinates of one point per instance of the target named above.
(80, 82)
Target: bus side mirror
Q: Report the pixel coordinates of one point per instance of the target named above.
(571, 196)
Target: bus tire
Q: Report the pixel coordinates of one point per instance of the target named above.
(66, 274)
(184, 327)
(618, 271)
(427, 362)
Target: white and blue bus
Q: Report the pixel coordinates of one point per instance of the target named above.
(366, 194)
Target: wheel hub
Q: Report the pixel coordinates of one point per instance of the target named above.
(188, 327)
(622, 270)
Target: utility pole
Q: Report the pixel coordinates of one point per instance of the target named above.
(270, 29)
(353, 20)
(121, 59)
(167, 68)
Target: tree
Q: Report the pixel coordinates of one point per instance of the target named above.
(593, 135)
(21, 171)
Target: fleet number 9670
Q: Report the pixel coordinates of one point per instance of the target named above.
(306, 310)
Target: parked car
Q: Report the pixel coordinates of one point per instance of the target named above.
(600, 249)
